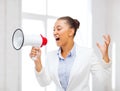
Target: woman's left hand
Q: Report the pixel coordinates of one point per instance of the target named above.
(104, 48)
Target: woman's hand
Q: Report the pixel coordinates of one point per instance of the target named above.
(104, 48)
(35, 55)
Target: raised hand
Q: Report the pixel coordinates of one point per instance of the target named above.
(104, 48)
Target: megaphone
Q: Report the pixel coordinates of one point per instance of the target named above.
(19, 40)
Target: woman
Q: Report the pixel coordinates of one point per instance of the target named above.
(69, 67)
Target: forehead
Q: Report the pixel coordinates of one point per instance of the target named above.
(60, 23)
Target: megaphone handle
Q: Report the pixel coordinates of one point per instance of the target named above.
(35, 57)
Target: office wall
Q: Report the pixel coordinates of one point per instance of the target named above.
(2, 47)
(99, 21)
(10, 61)
(115, 32)
(106, 20)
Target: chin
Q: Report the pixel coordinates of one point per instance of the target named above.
(58, 44)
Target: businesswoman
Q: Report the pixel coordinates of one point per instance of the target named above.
(70, 66)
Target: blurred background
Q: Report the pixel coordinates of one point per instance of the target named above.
(97, 17)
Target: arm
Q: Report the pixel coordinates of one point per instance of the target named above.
(41, 72)
(101, 74)
(101, 70)
(36, 54)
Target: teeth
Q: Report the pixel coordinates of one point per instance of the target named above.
(57, 37)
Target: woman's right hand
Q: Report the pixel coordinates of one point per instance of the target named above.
(35, 55)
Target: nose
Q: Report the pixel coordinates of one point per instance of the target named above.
(54, 32)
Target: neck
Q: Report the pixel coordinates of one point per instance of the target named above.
(66, 49)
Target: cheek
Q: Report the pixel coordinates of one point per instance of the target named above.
(64, 33)
(64, 38)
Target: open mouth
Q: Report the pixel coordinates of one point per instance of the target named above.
(57, 39)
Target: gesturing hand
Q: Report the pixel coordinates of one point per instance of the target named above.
(104, 48)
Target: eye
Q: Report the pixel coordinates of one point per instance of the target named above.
(59, 29)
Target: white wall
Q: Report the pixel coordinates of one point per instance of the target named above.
(2, 47)
(99, 21)
(115, 32)
(10, 61)
(113, 28)
(106, 19)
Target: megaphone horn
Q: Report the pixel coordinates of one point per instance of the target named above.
(19, 40)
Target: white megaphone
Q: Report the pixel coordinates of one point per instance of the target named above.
(19, 40)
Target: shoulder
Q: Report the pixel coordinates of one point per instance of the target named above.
(52, 53)
(84, 49)
(85, 52)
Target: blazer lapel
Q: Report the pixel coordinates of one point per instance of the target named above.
(76, 65)
(55, 70)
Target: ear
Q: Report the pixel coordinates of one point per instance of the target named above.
(71, 32)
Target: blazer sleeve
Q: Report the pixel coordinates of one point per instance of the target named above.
(101, 74)
(43, 77)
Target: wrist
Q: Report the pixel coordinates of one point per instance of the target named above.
(38, 65)
(106, 59)
(38, 68)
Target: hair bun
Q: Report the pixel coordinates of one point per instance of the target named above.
(77, 23)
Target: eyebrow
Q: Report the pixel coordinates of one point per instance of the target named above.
(57, 26)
